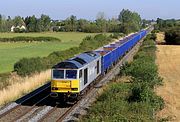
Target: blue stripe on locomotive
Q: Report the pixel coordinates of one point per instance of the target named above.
(112, 56)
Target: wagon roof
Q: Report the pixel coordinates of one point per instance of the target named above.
(78, 61)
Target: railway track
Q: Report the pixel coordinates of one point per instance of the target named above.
(57, 112)
(25, 104)
(60, 111)
(21, 110)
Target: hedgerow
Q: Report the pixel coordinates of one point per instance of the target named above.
(117, 35)
(134, 101)
(28, 66)
(172, 36)
(29, 39)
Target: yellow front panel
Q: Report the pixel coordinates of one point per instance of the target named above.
(64, 86)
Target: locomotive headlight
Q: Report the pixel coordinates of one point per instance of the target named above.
(74, 89)
(54, 88)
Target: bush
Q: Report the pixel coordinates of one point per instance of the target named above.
(28, 66)
(91, 43)
(143, 68)
(172, 36)
(155, 31)
(141, 92)
(117, 35)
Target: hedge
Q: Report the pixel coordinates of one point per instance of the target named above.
(29, 39)
(172, 36)
(144, 73)
(28, 65)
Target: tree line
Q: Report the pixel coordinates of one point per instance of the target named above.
(162, 25)
(171, 27)
(126, 22)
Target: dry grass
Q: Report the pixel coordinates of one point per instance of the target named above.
(20, 86)
(168, 60)
(122, 79)
(160, 37)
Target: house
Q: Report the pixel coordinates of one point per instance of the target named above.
(12, 28)
(21, 28)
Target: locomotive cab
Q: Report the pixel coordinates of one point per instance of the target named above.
(71, 77)
(65, 80)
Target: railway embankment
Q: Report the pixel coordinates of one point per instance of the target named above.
(132, 98)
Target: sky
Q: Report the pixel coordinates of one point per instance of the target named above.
(88, 9)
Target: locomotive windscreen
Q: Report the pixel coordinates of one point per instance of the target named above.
(58, 74)
(71, 74)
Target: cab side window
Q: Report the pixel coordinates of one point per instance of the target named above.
(80, 73)
(97, 67)
(85, 76)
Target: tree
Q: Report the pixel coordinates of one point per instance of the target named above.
(18, 21)
(113, 25)
(70, 23)
(73, 21)
(101, 21)
(81, 24)
(45, 21)
(125, 16)
(5, 25)
(130, 21)
(31, 23)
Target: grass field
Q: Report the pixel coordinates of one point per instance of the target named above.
(12, 52)
(168, 60)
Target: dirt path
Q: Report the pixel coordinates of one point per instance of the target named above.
(168, 60)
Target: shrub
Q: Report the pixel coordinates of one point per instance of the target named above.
(155, 31)
(117, 35)
(27, 66)
(172, 36)
(141, 92)
(91, 43)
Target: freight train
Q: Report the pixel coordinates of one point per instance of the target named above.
(72, 77)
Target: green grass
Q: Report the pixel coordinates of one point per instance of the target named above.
(12, 52)
(64, 36)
